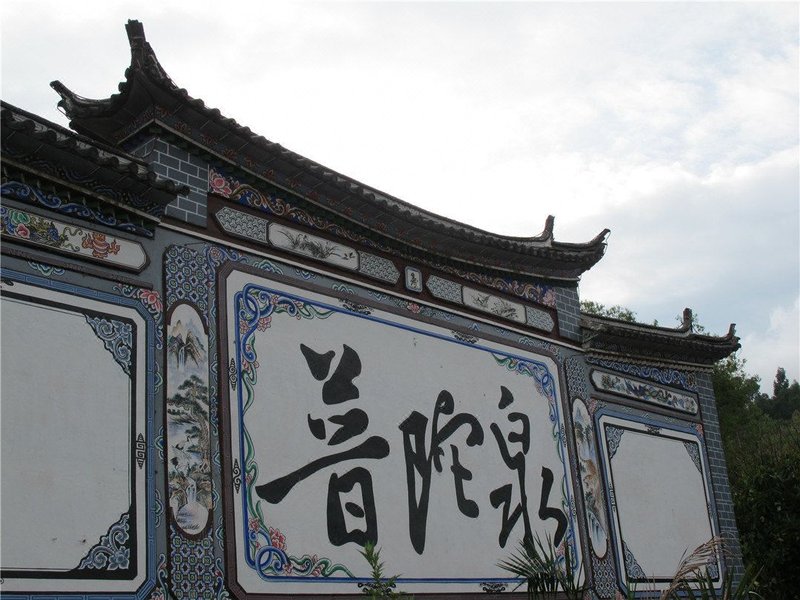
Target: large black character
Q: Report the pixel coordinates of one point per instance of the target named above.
(502, 495)
(337, 389)
(419, 460)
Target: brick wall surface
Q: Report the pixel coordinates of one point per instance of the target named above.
(719, 472)
(174, 163)
(569, 312)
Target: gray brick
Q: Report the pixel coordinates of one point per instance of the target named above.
(178, 152)
(173, 211)
(160, 170)
(199, 197)
(187, 204)
(165, 159)
(196, 220)
(201, 184)
(189, 168)
(198, 162)
(160, 145)
(177, 176)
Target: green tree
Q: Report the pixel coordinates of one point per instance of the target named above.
(738, 395)
(615, 312)
(785, 400)
(761, 438)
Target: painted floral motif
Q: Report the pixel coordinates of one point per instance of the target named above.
(588, 465)
(36, 229)
(111, 553)
(493, 305)
(83, 243)
(219, 184)
(29, 194)
(151, 299)
(152, 302)
(498, 307)
(317, 248)
(648, 392)
(536, 292)
(301, 242)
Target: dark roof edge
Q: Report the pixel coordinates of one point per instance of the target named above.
(145, 67)
(18, 119)
(682, 343)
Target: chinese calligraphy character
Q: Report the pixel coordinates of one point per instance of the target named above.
(338, 388)
(516, 462)
(419, 462)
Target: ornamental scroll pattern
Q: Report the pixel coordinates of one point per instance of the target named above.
(111, 552)
(31, 195)
(613, 439)
(666, 376)
(117, 337)
(632, 566)
(647, 392)
(267, 548)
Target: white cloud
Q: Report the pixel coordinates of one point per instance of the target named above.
(674, 124)
(778, 346)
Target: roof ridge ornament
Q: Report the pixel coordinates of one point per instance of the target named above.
(148, 97)
(143, 57)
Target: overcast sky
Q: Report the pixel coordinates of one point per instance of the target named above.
(674, 125)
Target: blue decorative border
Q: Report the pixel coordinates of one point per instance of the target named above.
(32, 195)
(547, 381)
(654, 426)
(149, 516)
(665, 376)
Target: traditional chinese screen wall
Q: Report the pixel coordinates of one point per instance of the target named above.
(347, 426)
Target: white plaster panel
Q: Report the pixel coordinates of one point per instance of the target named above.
(67, 453)
(405, 364)
(658, 478)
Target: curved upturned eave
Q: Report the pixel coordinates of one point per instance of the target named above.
(606, 335)
(146, 83)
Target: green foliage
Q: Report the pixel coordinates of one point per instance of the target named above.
(380, 586)
(738, 395)
(703, 588)
(615, 312)
(761, 437)
(785, 399)
(692, 581)
(763, 454)
(539, 565)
